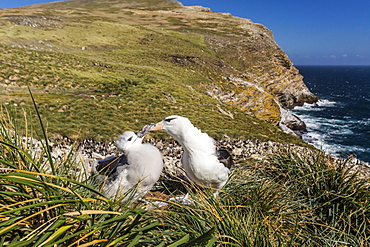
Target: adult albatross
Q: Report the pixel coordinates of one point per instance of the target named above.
(141, 166)
(201, 162)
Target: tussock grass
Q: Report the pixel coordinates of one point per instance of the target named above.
(336, 198)
(48, 202)
(289, 199)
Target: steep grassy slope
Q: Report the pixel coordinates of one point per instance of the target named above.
(97, 68)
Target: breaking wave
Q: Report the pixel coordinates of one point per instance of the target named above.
(339, 123)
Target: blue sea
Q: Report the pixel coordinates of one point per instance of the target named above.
(339, 123)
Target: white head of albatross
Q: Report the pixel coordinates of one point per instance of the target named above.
(128, 141)
(141, 165)
(200, 159)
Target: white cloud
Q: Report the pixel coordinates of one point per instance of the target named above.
(344, 55)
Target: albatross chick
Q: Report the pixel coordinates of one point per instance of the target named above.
(141, 166)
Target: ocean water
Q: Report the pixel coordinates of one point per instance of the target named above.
(339, 123)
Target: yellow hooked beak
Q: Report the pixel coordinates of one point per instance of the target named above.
(158, 126)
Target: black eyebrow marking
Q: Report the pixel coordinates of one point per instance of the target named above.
(169, 119)
(129, 139)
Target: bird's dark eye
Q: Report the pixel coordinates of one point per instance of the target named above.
(129, 139)
(169, 119)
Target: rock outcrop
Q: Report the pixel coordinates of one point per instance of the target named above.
(260, 78)
(263, 81)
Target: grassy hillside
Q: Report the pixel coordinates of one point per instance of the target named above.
(95, 74)
(97, 68)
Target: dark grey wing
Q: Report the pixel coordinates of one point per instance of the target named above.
(109, 165)
(225, 157)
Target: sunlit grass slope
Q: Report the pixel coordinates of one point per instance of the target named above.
(83, 97)
(95, 73)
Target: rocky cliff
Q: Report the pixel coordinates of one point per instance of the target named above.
(178, 53)
(261, 80)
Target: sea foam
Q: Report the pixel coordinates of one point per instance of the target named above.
(339, 123)
(322, 129)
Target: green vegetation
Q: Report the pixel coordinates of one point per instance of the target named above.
(43, 203)
(96, 71)
(82, 97)
(98, 68)
(289, 199)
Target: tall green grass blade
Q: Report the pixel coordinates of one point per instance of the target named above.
(56, 234)
(44, 136)
(183, 240)
(40, 235)
(6, 229)
(202, 239)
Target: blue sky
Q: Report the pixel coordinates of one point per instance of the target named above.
(311, 32)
